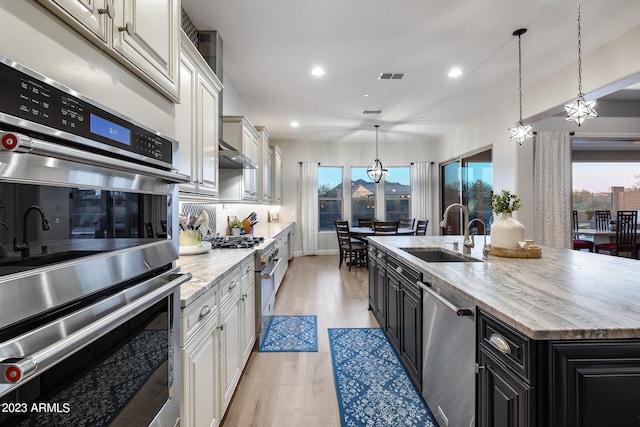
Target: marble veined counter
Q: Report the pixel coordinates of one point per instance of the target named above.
(565, 294)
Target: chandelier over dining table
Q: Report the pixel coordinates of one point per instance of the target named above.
(376, 170)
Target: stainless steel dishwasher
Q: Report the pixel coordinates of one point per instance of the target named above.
(448, 364)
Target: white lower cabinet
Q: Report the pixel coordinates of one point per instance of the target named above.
(218, 335)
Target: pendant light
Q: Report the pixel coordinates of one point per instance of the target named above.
(376, 170)
(580, 110)
(520, 132)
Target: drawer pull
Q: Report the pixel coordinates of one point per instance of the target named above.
(232, 285)
(205, 311)
(128, 28)
(109, 11)
(500, 343)
(399, 270)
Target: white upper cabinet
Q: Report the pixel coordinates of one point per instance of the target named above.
(143, 35)
(264, 177)
(197, 122)
(276, 175)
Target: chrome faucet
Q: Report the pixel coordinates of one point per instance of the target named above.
(23, 247)
(467, 243)
(485, 248)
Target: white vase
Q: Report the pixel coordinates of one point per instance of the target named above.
(506, 232)
(235, 231)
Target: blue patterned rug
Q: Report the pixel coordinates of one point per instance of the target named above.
(291, 333)
(373, 387)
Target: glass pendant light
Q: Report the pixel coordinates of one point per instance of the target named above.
(521, 131)
(580, 110)
(376, 170)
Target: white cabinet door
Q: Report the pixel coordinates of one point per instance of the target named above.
(90, 17)
(250, 149)
(185, 129)
(277, 175)
(230, 349)
(147, 34)
(200, 397)
(208, 136)
(266, 176)
(248, 310)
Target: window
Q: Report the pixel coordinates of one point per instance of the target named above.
(468, 181)
(363, 195)
(330, 196)
(397, 192)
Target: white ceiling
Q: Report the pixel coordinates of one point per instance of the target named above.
(271, 46)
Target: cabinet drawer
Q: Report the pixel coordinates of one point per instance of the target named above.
(229, 285)
(246, 269)
(198, 313)
(404, 271)
(509, 346)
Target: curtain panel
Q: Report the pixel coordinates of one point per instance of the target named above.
(552, 189)
(309, 207)
(421, 191)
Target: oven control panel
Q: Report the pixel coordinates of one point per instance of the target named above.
(28, 96)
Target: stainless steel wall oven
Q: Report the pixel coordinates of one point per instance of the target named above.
(89, 296)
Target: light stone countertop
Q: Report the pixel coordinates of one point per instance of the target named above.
(209, 268)
(565, 294)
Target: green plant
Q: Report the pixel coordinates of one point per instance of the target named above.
(235, 223)
(505, 201)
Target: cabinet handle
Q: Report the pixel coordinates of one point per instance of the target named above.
(221, 327)
(205, 311)
(500, 343)
(242, 298)
(109, 10)
(128, 28)
(399, 270)
(232, 285)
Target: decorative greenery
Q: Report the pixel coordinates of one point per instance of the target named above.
(235, 223)
(505, 202)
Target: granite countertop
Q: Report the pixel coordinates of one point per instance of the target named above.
(209, 268)
(565, 294)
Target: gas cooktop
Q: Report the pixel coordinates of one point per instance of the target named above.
(233, 242)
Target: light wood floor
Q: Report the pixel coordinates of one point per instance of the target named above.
(297, 389)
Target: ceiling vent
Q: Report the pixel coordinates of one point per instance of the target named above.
(372, 112)
(390, 76)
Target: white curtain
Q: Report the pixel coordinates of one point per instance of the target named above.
(421, 191)
(309, 208)
(552, 189)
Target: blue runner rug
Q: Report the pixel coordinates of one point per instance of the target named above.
(291, 333)
(373, 387)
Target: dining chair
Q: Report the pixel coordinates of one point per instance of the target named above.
(626, 235)
(406, 222)
(421, 228)
(353, 251)
(385, 228)
(365, 222)
(603, 218)
(579, 244)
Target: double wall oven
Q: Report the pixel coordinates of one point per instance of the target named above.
(89, 318)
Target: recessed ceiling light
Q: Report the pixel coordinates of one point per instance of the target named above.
(455, 72)
(294, 124)
(317, 71)
(366, 95)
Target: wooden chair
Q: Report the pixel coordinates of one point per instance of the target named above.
(406, 222)
(351, 250)
(626, 235)
(603, 218)
(579, 244)
(385, 228)
(365, 222)
(421, 228)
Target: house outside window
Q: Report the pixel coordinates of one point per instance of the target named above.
(330, 196)
(397, 193)
(363, 195)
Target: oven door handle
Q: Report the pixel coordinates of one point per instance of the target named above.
(39, 146)
(14, 370)
(269, 269)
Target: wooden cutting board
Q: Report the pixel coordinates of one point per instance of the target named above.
(532, 251)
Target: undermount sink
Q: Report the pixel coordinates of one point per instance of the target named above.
(439, 255)
(41, 260)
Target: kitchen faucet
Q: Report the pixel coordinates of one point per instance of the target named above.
(24, 246)
(485, 248)
(467, 243)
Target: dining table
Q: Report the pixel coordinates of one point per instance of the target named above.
(368, 231)
(601, 236)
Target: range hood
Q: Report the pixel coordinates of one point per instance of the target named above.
(230, 158)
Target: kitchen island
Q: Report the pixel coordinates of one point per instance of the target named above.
(556, 338)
